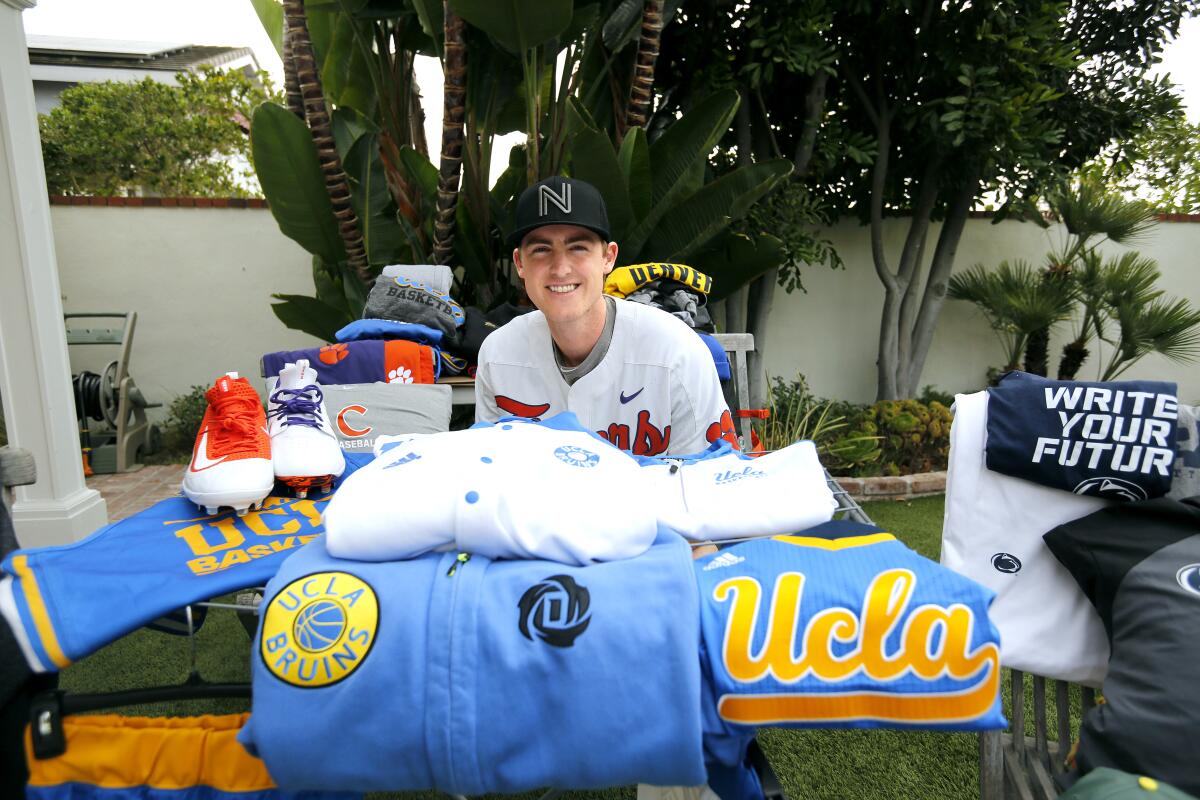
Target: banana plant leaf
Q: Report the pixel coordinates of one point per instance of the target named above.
(354, 290)
(622, 24)
(421, 172)
(471, 247)
(327, 280)
(285, 159)
(270, 14)
(382, 235)
(344, 60)
(348, 126)
(505, 191)
(431, 14)
(736, 260)
(310, 315)
(692, 223)
(673, 158)
(517, 25)
(634, 160)
(593, 160)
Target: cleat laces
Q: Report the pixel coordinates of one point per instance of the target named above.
(298, 406)
(237, 416)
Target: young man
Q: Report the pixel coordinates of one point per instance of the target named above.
(636, 375)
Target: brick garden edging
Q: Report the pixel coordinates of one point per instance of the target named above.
(902, 487)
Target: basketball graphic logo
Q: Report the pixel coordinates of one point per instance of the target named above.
(318, 629)
(333, 353)
(319, 625)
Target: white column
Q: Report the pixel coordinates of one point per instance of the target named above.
(35, 375)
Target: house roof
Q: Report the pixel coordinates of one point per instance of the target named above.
(140, 55)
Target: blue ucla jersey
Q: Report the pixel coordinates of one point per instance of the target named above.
(67, 601)
(471, 675)
(842, 626)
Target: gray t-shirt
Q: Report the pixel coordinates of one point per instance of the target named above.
(572, 374)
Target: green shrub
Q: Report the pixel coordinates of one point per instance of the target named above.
(184, 416)
(913, 436)
(932, 394)
(797, 414)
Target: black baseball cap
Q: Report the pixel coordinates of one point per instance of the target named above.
(560, 201)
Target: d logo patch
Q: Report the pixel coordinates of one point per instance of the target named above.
(557, 610)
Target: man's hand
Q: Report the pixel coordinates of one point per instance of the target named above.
(701, 550)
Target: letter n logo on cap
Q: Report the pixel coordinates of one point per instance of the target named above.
(546, 195)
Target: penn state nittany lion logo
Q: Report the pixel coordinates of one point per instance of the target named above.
(1111, 489)
(319, 628)
(1006, 562)
(557, 610)
(576, 456)
(1189, 578)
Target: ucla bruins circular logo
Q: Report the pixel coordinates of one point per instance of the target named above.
(318, 629)
(576, 456)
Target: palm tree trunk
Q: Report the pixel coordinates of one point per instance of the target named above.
(291, 84)
(453, 121)
(1073, 355)
(317, 115)
(641, 88)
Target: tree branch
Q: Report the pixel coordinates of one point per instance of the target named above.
(939, 275)
(878, 181)
(814, 109)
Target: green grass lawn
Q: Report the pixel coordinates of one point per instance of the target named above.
(811, 764)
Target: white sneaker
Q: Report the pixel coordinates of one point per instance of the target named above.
(304, 448)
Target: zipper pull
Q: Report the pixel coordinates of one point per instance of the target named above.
(459, 560)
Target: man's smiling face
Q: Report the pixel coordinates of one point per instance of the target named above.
(563, 267)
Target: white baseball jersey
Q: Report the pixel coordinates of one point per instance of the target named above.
(655, 392)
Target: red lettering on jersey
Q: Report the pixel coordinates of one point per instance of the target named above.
(617, 435)
(519, 409)
(723, 430)
(649, 440)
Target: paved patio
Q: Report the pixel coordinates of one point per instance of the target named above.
(128, 493)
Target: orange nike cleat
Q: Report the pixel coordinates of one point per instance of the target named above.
(231, 462)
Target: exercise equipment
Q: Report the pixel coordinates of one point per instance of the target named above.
(112, 398)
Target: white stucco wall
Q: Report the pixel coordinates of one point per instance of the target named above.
(201, 279)
(831, 333)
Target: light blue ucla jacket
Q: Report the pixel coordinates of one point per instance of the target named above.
(475, 676)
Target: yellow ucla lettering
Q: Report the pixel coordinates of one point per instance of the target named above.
(934, 642)
(194, 536)
(257, 524)
(884, 605)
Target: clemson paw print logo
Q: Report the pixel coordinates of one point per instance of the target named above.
(400, 375)
(333, 353)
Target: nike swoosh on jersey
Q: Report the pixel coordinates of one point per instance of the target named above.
(625, 399)
(200, 459)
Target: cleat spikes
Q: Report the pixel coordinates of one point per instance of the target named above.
(301, 492)
(211, 510)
